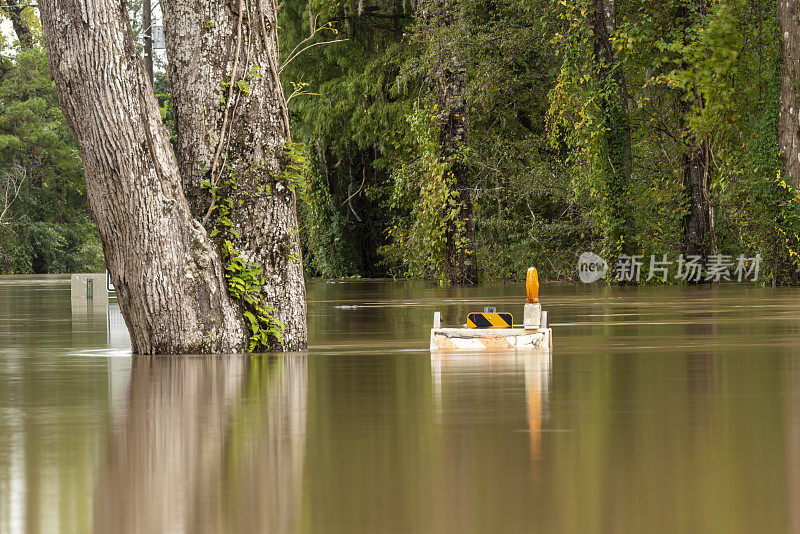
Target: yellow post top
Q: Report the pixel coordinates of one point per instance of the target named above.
(532, 286)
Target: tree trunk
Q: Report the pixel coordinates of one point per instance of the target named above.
(698, 222)
(618, 133)
(147, 34)
(788, 135)
(232, 126)
(14, 9)
(167, 272)
(450, 78)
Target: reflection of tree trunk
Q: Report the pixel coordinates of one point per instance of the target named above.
(792, 445)
(268, 478)
(788, 133)
(168, 457)
(207, 444)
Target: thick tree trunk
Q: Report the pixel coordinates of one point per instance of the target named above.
(167, 272)
(450, 78)
(618, 134)
(14, 9)
(232, 126)
(788, 122)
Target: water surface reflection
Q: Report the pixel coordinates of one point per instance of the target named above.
(207, 445)
(660, 410)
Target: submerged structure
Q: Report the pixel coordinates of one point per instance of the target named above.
(490, 330)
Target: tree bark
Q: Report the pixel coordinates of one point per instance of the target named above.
(14, 9)
(788, 134)
(618, 133)
(698, 224)
(167, 272)
(452, 111)
(232, 125)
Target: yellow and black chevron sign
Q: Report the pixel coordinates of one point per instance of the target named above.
(489, 320)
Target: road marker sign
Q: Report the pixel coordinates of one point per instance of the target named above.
(490, 320)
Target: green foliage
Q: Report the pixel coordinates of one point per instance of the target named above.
(327, 252)
(45, 227)
(295, 165)
(348, 107)
(760, 209)
(586, 117)
(549, 118)
(245, 280)
(424, 186)
(788, 226)
(367, 111)
(704, 62)
(164, 96)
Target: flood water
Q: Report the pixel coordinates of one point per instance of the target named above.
(659, 410)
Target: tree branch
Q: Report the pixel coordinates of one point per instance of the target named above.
(13, 181)
(290, 59)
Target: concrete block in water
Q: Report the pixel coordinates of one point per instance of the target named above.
(533, 316)
(88, 288)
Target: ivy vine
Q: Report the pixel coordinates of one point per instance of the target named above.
(245, 280)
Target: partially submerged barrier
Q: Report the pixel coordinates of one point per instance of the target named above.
(490, 330)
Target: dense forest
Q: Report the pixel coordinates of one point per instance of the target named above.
(464, 140)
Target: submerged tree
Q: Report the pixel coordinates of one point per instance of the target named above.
(589, 114)
(238, 166)
(613, 103)
(181, 288)
(699, 220)
(443, 23)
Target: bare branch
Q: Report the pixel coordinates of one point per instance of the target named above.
(290, 59)
(13, 179)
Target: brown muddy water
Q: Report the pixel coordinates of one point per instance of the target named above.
(659, 410)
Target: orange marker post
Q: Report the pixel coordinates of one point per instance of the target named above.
(532, 286)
